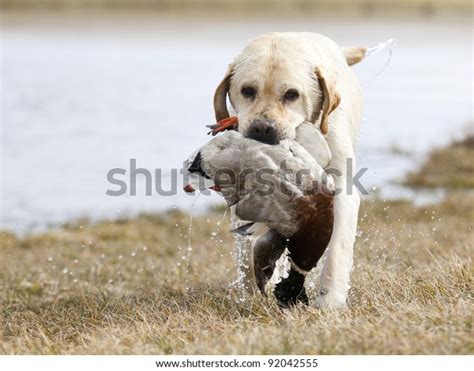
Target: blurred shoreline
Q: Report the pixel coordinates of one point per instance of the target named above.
(272, 6)
(27, 14)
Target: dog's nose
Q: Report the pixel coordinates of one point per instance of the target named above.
(263, 131)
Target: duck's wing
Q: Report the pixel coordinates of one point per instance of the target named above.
(248, 229)
(312, 140)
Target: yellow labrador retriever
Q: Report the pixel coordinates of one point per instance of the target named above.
(277, 82)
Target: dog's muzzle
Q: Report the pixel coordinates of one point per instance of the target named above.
(264, 131)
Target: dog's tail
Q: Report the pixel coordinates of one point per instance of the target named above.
(355, 54)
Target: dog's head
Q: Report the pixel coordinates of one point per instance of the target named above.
(276, 83)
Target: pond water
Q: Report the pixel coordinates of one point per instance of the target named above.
(85, 93)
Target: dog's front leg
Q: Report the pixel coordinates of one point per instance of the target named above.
(337, 266)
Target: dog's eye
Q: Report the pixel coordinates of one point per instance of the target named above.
(248, 92)
(291, 95)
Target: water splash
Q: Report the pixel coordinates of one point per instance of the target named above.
(189, 247)
(215, 236)
(380, 46)
(377, 48)
(242, 260)
(242, 251)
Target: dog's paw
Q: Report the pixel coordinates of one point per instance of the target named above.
(330, 300)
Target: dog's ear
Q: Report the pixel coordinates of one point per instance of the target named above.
(354, 54)
(220, 96)
(331, 98)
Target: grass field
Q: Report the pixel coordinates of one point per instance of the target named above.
(127, 287)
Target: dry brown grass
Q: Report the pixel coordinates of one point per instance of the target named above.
(127, 287)
(116, 287)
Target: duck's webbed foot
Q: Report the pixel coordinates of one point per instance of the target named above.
(229, 123)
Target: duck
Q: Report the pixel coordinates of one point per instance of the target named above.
(307, 135)
(281, 194)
